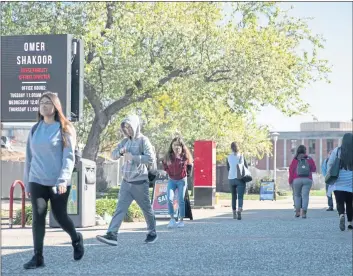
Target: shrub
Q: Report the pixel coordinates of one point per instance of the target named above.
(254, 188)
(282, 193)
(105, 205)
(28, 216)
(108, 205)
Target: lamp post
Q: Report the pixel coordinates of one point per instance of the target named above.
(275, 138)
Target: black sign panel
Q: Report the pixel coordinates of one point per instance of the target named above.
(30, 66)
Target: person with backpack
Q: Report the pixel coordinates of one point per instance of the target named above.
(300, 176)
(49, 165)
(342, 186)
(324, 171)
(178, 164)
(237, 186)
(138, 158)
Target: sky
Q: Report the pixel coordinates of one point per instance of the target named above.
(328, 102)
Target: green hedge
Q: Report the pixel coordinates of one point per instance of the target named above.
(103, 205)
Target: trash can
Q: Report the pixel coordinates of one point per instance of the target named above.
(81, 206)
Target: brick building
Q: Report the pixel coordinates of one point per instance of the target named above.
(318, 137)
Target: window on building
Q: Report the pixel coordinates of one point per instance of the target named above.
(334, 125)
(293, 146)
(329, 144)
(312, 146)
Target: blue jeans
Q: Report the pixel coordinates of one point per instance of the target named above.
(329, 199)
(237, 188)
(181, 185)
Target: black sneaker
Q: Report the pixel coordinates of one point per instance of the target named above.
(350, 227)
(36, 262)
(151, 238)
(239, 215)
(342, 223)
(330, 209)
(79, 249)
(109, 238)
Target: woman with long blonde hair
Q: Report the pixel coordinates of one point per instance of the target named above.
(50, 160)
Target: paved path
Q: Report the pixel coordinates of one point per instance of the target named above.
(268, 241)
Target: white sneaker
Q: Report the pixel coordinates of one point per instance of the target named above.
(172, 223)
(180, 224)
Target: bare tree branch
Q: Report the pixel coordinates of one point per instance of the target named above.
(210, 77)
(108, 25)
(127, 99)
(92, 96)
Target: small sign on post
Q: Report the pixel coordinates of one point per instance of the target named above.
(267, 190)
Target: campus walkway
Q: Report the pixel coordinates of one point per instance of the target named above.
(268, 241)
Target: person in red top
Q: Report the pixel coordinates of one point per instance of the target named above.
(178, 164)
(300, 177)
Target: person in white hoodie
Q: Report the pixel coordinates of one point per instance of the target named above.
(237, 186)
(139, 156)
(342, 187)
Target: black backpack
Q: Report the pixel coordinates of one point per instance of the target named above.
(303, 168)
(78, 154)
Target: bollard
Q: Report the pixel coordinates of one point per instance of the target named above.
(217, 198)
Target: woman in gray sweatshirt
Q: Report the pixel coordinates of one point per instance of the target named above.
(49, 164)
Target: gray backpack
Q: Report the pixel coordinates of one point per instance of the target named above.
(303, 168)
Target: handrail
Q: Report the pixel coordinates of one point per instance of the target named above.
(23, 221)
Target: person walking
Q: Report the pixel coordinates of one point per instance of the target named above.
(342, 187)
(138, 157)
(300, 176)
(324, 171)
(237, 186)
(49, 164)
(178, 165)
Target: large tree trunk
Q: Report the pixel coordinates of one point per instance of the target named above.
(91, 149)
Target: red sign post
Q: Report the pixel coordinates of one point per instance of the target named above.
(204, 173)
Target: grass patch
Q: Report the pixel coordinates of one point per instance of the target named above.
(318, 192)
(4, 213)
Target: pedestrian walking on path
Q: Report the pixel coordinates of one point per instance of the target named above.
(342, 187)
(237, 186)
(178, 165)
(300, 176)
(324, 171)
(139, 156)
(50, 160)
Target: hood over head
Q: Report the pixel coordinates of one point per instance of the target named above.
(134, 121)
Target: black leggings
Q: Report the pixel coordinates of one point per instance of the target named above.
(344, 198)
(40, 195)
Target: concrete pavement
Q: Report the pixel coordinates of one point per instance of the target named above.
(268, 241)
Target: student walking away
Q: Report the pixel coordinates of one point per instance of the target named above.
(237, 186)
(178, 164)
(342, 187)
(138, 158)
(49, 164)
(324, 171)
(300, 176)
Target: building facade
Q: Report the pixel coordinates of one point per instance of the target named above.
(318, 137)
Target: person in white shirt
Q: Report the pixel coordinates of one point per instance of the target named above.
(237, 186)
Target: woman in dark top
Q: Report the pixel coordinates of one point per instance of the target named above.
(178, 164)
